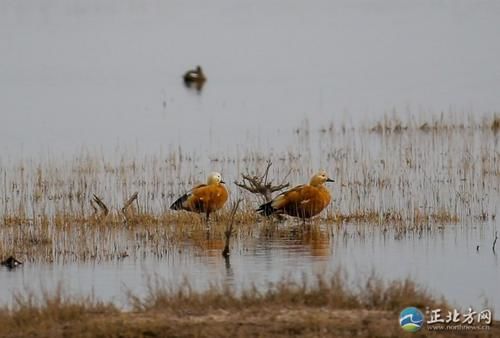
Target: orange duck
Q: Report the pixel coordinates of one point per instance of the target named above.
(303, 201)
(204, 198)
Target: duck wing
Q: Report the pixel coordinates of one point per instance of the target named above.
(183, 202)
(282, 200)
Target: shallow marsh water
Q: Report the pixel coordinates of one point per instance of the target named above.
(92, 101)
(446, 261)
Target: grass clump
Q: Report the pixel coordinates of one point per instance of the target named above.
(322, 307)
(328, 293)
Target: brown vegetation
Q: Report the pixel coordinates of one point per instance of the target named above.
(441, 124)
(112, 238)
(74, 208)
(324, 307)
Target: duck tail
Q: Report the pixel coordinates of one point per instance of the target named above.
(179, 204)
(266, 209)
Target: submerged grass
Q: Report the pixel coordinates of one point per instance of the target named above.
(104, 241)
(322, 307)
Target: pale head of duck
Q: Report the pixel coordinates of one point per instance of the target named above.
(214, 178)
(320, 178)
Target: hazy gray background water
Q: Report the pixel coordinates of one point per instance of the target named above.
(102, 73)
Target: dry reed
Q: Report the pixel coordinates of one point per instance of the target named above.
(323, 306)
(447, 174)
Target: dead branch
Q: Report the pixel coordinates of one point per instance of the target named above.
(495, 241)
(129, 202)
(229, 231)
(102, 206)
(126, 212)
(261, 185)
(93, 205)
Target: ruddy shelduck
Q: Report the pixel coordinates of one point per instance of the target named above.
(303, 201)
(204, 198)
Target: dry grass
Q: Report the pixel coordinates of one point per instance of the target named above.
(324, 307)
(395, 123)
(447, 174)
(332, 293)
(71, 241)
(394, 218)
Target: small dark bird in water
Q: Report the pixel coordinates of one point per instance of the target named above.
(195, 78)
(11, 262)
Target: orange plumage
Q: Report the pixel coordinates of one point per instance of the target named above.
(204, 198)
(304, 201)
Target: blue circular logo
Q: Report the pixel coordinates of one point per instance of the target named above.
(411, 319)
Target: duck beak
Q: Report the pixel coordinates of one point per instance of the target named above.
(330, 180)
(221, 181)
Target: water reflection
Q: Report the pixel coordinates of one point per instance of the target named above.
(258, 259)
(318, 243)
(207, 243)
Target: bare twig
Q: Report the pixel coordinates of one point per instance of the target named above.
(283, 181)
(266, 173)
(93, 205)
(127, 205)
(229, 231)
(260, 185)
(129, 202)
(495, 241)
(102, 206)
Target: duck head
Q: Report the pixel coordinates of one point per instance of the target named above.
(214, 178)
(320, 178)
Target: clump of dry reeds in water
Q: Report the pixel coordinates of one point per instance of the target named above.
(407, 179)
(309, 307)
(330, 292)
(437, 124)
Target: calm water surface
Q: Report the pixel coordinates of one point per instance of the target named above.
(446, 261)
(106, 73)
